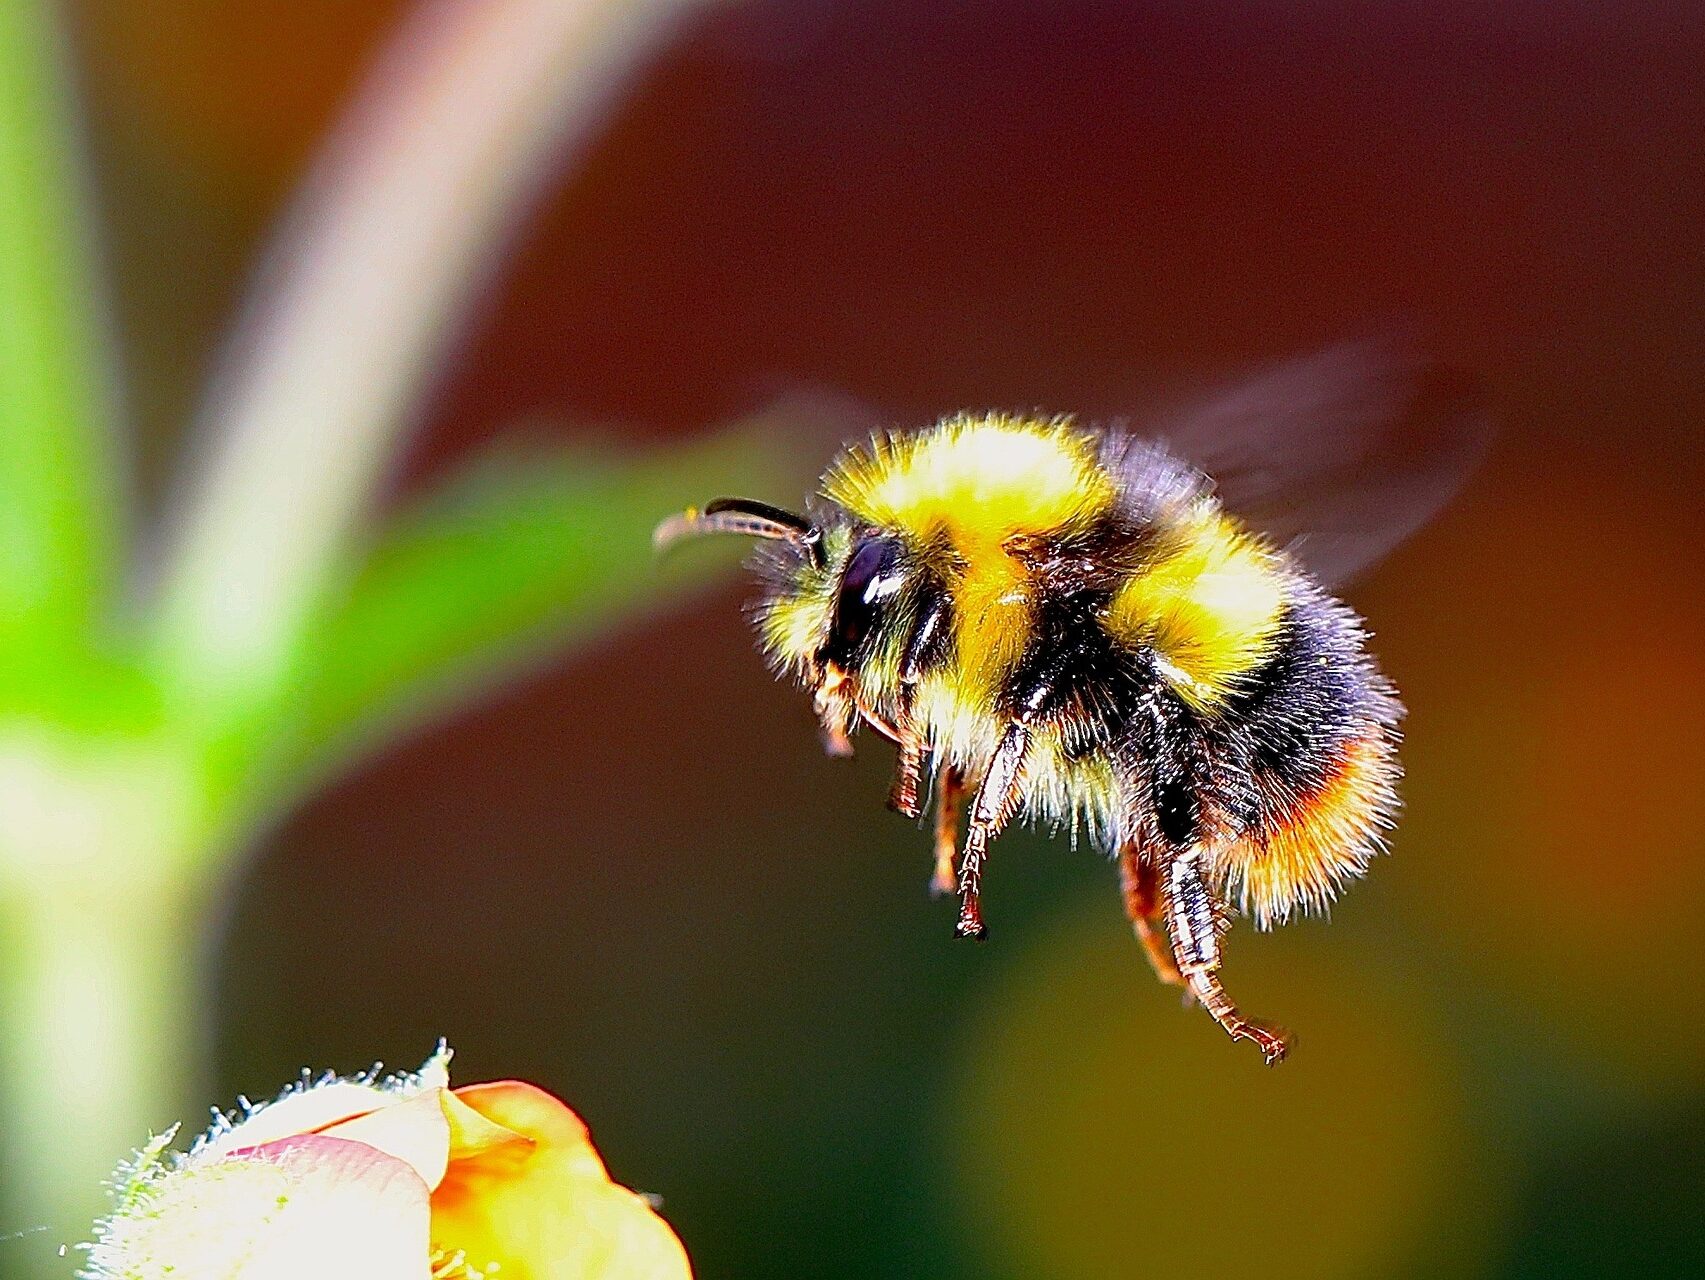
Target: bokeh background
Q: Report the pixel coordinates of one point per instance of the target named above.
(634, 878)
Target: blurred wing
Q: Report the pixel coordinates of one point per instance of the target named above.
(1340, 456)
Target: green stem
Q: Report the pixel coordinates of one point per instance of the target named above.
(102, 1010)
(59, 520)
(100, 1003)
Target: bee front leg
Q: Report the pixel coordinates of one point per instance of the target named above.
(925, 643)
(996, 800)
(1140, 881)
(1195, 920)
(833, 702)
(903, 793)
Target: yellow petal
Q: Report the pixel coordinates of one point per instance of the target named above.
(471, 1134)
(547, 1210)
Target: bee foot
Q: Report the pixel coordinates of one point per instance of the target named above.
(970, 913)
(1273, 1043)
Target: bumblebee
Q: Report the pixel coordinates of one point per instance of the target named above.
(1128, 635)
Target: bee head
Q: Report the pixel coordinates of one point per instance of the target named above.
(831, 588)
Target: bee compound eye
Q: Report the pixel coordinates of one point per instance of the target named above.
(872, 575)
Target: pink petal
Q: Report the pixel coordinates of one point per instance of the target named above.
(349, 1212)
(303, 1207)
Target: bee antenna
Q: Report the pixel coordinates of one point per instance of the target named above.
(745, 516)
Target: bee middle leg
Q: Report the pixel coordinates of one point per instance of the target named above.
(1195, 920)
(992, 809)
(950, 796)
(1140, 881)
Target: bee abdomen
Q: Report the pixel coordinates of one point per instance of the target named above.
(1309, 765)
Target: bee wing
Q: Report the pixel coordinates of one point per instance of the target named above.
(1339, 456)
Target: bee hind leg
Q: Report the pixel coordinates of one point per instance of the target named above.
(1195, 920)
(993, 808)
(1274, 1042)
(1140, 882)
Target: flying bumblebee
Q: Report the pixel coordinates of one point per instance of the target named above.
(1130, 635)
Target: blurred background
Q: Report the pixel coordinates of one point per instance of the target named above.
(633, 877)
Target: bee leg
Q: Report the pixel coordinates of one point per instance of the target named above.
(924, 644)
(833, 702)
(1140, 881)
(996, 799)
(950, 795)
(908, 769)
(1195, 920)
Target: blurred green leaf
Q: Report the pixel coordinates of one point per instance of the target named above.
(524, 551)
(58, 497)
